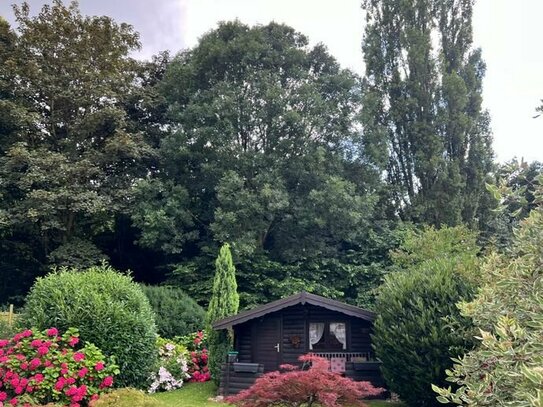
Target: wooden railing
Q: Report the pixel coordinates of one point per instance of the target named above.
(349, 356)
(8, 316)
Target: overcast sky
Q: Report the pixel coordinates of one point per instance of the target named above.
(509, 32)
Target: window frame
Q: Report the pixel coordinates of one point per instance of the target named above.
(327, 334)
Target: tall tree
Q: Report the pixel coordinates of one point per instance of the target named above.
(224, 303)
(71, 168)
(422, 113)
(264, 136)
(19, 250)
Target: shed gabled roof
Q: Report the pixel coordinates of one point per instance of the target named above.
(301, 298)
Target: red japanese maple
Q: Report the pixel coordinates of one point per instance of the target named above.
(296, 388)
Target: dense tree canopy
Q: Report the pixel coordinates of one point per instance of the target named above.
(422, 111)
(264, 138)
(253, 137)
(68, 169)
(71, 144)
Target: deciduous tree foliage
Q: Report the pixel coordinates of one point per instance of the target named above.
(514, 190)
(312, 387)
(265, 133)
(421, 108)
(70, 149)
(67, 173)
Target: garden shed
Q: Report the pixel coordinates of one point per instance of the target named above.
(279, 332)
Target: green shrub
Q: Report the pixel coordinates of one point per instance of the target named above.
(107, 308)
(224, 302)
(6, 330)
(419, 328)
(176, 313)
(506, 369)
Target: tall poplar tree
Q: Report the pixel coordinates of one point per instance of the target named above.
(422, 113)
(224, 302)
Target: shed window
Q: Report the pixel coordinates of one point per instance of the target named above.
(327, 336)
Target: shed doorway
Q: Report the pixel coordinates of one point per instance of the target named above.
(267, 343)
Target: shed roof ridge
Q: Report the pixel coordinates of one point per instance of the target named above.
(302, 297)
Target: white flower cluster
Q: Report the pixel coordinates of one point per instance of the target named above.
(184, 366)
(164, 380)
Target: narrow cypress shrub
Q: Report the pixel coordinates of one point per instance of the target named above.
(176, 313)
(224, 302)
(108, 308)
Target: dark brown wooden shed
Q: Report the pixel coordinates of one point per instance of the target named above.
(279, 332)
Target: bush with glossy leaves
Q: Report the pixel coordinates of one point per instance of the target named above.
(108, 308)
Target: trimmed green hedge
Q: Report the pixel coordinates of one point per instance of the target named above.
(107, 307)
(176, 313)
(419, 327)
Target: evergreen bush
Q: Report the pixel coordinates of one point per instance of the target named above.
(506, 368)
(224, 302)
(419, 327)
(176, 313)
(108, 309)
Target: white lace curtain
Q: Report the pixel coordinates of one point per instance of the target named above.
(338, 330)
(316, 330)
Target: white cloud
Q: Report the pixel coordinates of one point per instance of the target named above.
(510, 33)
(336, 24)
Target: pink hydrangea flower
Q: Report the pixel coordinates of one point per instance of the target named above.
(61, 382)
(35, 363)
(78, 356)
(107, 382)
(38, 378)
(36, 343)
(52, 332)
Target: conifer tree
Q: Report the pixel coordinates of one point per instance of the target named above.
(224, 302)
(422, 113)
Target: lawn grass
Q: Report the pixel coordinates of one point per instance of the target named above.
(383, 403)
(190, 395)
(197, 395)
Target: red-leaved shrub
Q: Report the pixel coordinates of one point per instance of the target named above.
(47, 367)
(296, 387)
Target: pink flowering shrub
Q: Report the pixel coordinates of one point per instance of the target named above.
(196, 345)
(47, 367)
(198, 356)
(294, 388)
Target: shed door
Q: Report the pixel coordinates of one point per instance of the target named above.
(267, 343)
